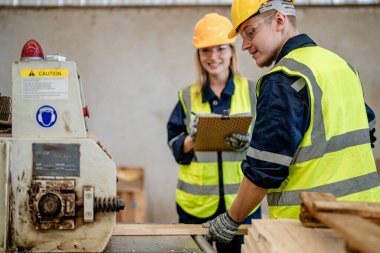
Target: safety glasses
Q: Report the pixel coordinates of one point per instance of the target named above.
(250, 31)
(222, 49)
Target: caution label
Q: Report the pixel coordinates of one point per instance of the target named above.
(44, 73)
(45, 83)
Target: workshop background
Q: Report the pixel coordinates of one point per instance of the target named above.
(133, 56)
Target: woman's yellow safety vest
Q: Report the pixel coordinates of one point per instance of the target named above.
(198, 183)
(335, 154)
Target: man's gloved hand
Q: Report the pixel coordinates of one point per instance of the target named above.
(373, 137)
(221, 229)
(239, 142)
(193, 128)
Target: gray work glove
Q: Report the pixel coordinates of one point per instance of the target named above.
(239, 142)
(221, 229)
(193, 128)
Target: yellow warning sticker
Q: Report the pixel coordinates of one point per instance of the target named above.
(44, 73)
(45, 83)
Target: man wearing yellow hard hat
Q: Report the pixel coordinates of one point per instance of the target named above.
(313, 131)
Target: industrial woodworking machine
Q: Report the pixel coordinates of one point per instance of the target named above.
(57, 182)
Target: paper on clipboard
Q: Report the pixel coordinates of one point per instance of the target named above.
(212, 130)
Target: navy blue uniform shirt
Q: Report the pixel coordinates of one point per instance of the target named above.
(176, 126)
(281, 122)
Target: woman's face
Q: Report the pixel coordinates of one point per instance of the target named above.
(216, 59)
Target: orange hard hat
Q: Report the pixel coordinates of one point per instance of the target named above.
(212, 30)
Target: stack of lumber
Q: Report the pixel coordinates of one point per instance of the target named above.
(357, 222)
(290, 236)
(326, 225)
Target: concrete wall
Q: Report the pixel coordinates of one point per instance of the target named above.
(133, 60)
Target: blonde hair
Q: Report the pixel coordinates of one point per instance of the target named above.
(202, 74)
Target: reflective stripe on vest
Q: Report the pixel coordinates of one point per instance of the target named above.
(317, 152)
(338, 189)
(372, 124)
(198, 186)
(269, 157)
(207, 190)
(212, 157)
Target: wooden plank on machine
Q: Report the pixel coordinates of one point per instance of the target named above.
(166, 229)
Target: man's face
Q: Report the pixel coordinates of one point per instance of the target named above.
(261, 38)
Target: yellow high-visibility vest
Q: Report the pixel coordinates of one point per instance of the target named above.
(335, 154)
(198, 183)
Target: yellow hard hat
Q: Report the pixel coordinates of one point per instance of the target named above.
(212, 30)
(241, 10)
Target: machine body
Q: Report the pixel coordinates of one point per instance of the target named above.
(57, 183)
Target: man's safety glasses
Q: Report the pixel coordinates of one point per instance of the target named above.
(250, 31)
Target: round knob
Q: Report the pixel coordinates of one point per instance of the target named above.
(49, 205)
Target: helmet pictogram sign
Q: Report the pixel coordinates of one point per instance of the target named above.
(46, 116)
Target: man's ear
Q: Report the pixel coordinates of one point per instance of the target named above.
(280, 21)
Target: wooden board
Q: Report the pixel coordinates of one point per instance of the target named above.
(370, 211)
(166, 229)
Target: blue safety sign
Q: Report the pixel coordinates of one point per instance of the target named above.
(46, 116)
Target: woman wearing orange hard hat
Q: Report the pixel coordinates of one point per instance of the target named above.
(208, 182)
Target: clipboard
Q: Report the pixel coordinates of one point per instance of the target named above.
(212, 130)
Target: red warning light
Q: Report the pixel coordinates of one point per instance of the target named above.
(86, 112)
(32, 50)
